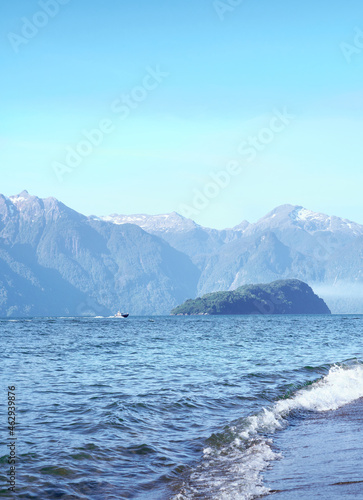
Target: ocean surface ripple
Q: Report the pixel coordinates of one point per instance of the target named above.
(176, 408)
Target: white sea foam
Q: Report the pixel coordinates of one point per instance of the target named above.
(234, 471)
(340, 387)
(230, 473)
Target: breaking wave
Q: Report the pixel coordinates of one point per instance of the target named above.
(233, 461)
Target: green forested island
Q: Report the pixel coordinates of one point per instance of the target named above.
(279, 297)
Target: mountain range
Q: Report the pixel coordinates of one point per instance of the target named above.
(56, 261)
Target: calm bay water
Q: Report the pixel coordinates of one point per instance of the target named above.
(173, 407)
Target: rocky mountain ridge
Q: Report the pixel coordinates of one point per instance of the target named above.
(55, 260)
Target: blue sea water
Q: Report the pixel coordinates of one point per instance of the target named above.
(170, 407)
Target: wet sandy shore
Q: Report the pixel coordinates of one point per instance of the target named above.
(322, 456)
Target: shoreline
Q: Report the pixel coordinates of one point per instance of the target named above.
(321, 456)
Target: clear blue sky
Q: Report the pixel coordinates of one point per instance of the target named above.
(221, 83)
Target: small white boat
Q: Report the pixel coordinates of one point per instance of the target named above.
(121, 315)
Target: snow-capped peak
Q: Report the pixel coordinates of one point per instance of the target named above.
(154, 223)
(296, 216)
(19, 198)
(304, 214)
(315, 221)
